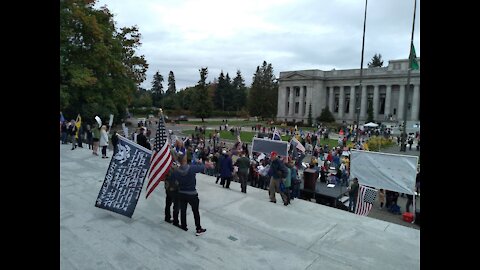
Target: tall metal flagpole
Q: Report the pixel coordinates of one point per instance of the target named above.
(361, 73)
(405, 102)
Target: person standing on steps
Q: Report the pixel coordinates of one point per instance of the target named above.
(104, 140)
(187, 192)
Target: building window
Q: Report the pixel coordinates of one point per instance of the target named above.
(394, 111)
(347, 104)
(382, 104)
(288, 91)
(288, 107)
(297, 91)
(296, 107)
(304, 107)
(304, 91)
(337, 101)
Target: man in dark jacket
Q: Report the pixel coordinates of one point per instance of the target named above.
(243, 163)
(353, 195)
(277, 172)
(187, 193)
(142, 140)
(226, 169)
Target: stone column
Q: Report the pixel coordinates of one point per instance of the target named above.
(376, 98)
(353, 108)
(388, 101)
(341, 102)
(292, 102)
(363, 104)
(415, 103)
(401, 102)
(330, 100)
(281, 102)
(305, 94)
(300, 105)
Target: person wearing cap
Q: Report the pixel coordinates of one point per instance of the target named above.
(187, 192)
(226, 169)
(277, 172)
(243, 163)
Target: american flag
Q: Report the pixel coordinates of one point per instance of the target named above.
(365, 199)
(161, 158)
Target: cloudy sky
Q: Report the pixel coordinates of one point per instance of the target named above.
(185, 35)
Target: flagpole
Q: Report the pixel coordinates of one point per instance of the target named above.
(361, 73)
(403, 146)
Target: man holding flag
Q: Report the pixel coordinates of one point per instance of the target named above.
(161, 158)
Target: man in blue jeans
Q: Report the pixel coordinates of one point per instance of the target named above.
(187, 193)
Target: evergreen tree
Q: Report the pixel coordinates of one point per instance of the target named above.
(219, 99)
(376, 61)
(263, 94)
(202, 106)
(172, 89)
(240, 92)
(157, 89)
(326, 116)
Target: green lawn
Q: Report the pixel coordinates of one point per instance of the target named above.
(245, 136)
(218, 123)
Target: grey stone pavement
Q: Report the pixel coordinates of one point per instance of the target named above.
(244, 231)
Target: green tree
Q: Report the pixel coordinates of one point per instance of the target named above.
(202, 106)
(370, 112)
(263, 93)
(326, 116)
(172, 89)
(310, 115)
(239, 92)
(99, 68)
(157, 89)
(220, 92)
(376, 61)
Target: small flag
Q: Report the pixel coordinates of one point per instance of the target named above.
(161, 158)
(365, 199)
(62, 119)
(298, 145)
(276, 135)
(413, 59)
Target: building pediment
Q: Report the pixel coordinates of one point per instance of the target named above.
(297, 76)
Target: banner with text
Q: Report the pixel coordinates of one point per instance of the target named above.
(124, 179)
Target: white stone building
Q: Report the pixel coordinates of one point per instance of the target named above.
(384, 87)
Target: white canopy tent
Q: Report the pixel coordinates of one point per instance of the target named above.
(370, 124)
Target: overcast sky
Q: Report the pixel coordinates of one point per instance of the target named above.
(185, 35)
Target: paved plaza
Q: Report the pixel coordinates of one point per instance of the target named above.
(244, 231)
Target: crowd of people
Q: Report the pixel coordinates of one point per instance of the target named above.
(272, 172)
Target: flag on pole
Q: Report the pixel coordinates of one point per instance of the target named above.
(298, 145)
(413, 59)
(276, 135)
(365, 199)
(161, 158)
